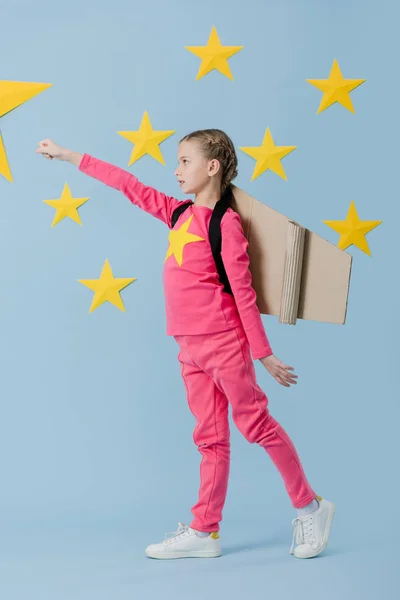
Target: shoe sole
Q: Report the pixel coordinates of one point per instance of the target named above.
(326, 535)
(194, 554)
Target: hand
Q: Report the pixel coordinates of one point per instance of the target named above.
(279, 370)
(50, 150)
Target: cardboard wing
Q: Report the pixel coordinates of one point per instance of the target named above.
(296, 273)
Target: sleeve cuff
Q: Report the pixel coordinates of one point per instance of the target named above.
(84, 162)
(257, 355)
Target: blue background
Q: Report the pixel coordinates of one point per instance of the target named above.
(96, 451)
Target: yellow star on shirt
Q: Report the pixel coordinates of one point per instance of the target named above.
(66, 206)
(178, 239)
(214, 55)
(336, 89)
(13, 94)
(146, 140)
(352, 230)
(268, 156)
(107, 288)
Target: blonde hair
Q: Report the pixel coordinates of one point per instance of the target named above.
(216, 144)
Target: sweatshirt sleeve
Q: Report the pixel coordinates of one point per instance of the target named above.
(237, 262)
(145, 197)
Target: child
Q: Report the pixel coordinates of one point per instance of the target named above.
(218, 335)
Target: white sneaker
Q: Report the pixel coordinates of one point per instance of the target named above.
(184, 543)
(312, 531)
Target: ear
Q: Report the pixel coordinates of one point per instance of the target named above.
(213, 166)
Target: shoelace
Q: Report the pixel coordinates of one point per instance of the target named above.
(182, 528)
(303, 531)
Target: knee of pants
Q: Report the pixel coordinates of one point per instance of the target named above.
(255, 426)
(216, 450)
(204, 441)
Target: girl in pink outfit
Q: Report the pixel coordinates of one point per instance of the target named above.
(219, 332)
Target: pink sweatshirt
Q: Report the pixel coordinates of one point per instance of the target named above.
(194, 296)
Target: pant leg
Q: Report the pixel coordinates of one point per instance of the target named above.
(226, 358)
(209, 406)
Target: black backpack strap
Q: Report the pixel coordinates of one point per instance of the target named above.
(178, 211)
(214, 232)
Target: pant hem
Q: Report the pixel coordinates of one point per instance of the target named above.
(306, 501)
(202, 530)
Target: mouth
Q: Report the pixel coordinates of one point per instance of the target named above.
(181, 182)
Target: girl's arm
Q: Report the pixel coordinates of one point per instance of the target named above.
(236, 261)
(74, 158)
(145, 197)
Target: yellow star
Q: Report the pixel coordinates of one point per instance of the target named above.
(146, 140)
(13, 94)
(352, 230)
(4, 166)
(178, 239)
(107, 288)
(66, 206)
(336, 88)
(268, 156)
(214, 55)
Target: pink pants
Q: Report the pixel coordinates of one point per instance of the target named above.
(218, 370)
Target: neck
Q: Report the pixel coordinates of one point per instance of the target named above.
(207, 198)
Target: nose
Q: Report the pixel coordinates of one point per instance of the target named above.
(176, 172)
